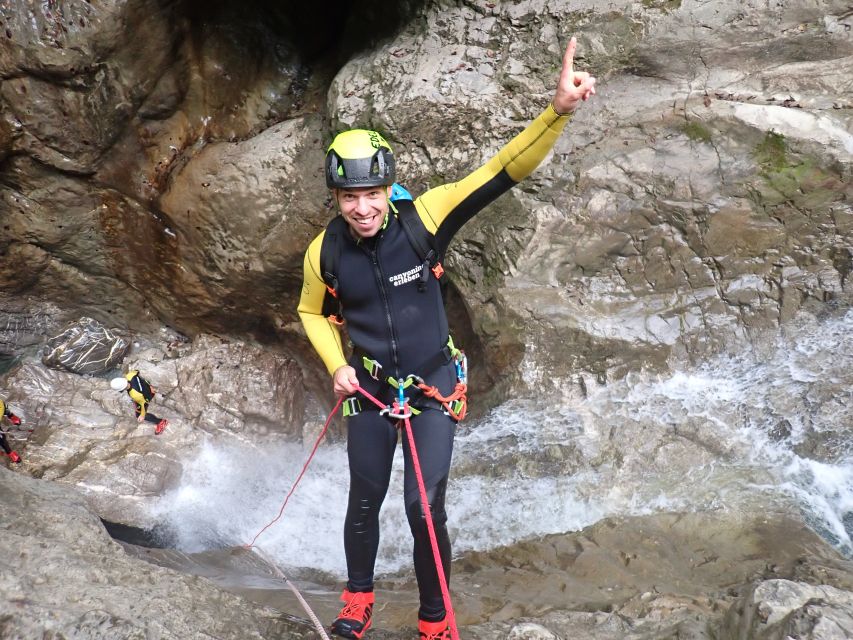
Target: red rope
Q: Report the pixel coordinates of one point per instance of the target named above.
(445, 591)
(301, 473)
(439, 566)
(370, 397)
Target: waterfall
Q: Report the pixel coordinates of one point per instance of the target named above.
(765, 428)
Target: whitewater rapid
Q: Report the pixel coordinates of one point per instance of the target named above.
(767, 426)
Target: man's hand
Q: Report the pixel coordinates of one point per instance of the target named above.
(140, 418)
(345, 381)
(573, 86)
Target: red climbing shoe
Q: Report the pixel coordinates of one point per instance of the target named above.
(15, 420)
(433, 630)
(160, 426)
(14, 457)
(354, 619)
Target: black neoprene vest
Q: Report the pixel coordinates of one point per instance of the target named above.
(387, 317)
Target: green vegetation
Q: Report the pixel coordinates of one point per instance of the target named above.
(696, 131)
(793, 178)
(771, 152)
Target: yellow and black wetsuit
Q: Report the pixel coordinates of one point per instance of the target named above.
(5, 412)
(393, 322)
(141, 394)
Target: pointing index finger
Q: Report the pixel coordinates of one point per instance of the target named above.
(569, 59)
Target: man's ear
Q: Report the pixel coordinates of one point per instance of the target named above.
(388, 190)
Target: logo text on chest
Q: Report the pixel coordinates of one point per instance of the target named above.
(407, 276)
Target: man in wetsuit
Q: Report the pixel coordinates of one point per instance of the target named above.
(396, 320)
(141, 392)
(5, 412)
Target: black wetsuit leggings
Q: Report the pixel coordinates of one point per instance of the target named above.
(5, 443)
(149, 417)
(371, 441)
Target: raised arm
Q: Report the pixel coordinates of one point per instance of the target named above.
(446, 208)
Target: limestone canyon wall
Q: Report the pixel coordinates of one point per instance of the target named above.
(161, 164)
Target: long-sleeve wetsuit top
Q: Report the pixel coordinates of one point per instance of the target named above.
(4, 413)
(387, 317)
(139, 391)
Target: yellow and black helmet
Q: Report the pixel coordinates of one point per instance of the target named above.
(359, 158)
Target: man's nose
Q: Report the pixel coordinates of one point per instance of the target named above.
(362, 205)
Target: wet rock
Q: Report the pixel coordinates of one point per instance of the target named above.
(65, 577)
(634, 578)
(86, 434)
(694, 203)
(781, 430)
(780, 609)
(85, 347)
(531, 631)
(238, 212)
(75, 74)
(825, 446)
(24, 326)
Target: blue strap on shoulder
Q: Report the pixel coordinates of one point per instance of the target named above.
(399, 192)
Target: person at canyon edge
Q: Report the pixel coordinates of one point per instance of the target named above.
(384, 287)
(6, 414)
(141, 392)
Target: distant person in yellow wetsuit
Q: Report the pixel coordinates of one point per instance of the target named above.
(141, 392)
(6, 413)
(395, 319)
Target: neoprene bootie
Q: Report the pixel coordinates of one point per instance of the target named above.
(433, 630)
(354, 619)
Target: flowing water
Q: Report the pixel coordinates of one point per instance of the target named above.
(770, 425)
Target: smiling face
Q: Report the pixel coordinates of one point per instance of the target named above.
(364, 209)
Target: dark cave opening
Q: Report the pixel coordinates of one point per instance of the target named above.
(333, 30)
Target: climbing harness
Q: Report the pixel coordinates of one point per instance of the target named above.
(454, 405)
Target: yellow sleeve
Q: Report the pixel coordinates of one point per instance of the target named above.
(457, 202)
(323, 334)
(139, 399)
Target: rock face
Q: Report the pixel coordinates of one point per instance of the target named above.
(780, 609)
(160, 166)
(116, 198)
(174, 174)
(64, 577)
(86, 433)
(85, 347)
